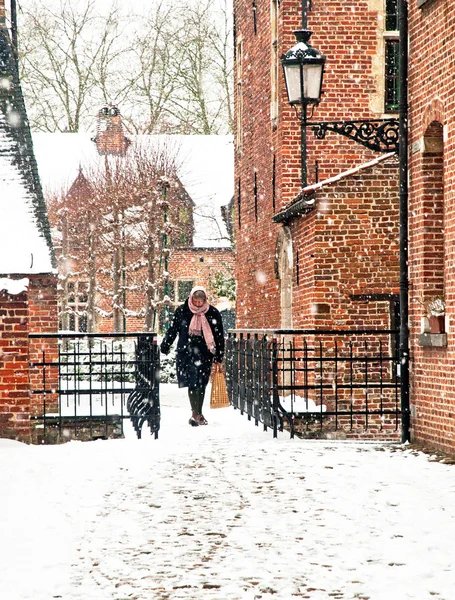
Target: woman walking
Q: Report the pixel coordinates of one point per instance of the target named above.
(201, 341)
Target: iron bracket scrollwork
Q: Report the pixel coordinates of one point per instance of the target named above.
(380, 135)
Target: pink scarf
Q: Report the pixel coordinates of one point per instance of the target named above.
(199, 324)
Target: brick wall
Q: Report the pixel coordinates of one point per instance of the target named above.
(432, 216)
(32, 311)
(14, 388)
(200, 264)
(43, 318)
(354, 225)
(191, 264)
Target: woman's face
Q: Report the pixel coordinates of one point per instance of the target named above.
(198, 301)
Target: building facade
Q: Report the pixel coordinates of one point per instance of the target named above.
(282, 279)
(300, 250)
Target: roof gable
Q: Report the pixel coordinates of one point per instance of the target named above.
(206, 171)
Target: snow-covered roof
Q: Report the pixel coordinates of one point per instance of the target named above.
(207, 171)
(25, 246)
(357, 169)
(305, 199)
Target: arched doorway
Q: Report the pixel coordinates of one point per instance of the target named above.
(284, 268)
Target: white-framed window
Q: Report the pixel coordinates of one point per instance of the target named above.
(77, 299)
(180, 289)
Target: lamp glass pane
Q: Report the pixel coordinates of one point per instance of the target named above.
(312, 76)
(292, 75)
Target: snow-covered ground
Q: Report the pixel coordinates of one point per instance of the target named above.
(224, 512)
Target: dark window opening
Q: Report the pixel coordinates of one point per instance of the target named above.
(83, 325)
(391, 19)
(234, 35)
(183, 238)
(255, 196)
(392, 89)
(184, 288)
(171, 289)
(274, 182)
(239, 201)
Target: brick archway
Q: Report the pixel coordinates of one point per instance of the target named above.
(434, 112)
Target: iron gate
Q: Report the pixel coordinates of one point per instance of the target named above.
(321, 382)
(84, 385)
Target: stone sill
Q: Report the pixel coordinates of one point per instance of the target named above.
(433, 340)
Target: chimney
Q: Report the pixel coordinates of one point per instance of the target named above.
(110, 139)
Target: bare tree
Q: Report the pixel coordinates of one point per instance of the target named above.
(66, 57)
(170, 68)
(110, 235)
(222, 44)
(153, 79)
(201, 105)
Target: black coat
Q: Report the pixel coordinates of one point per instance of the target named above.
(194, 359)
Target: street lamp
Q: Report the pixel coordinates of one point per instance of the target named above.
(303, 68)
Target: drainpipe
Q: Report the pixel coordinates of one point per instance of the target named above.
(304, 14)
(404, 288)
(303, 114)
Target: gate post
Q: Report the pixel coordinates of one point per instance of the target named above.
(15, 421)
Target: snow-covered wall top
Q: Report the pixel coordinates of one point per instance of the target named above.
(206, 171)
(25, 242)
(14, 286)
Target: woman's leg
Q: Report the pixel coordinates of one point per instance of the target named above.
(201, 399)
(202, 420)
(193, 395)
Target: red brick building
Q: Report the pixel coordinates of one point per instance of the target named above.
(115, 232)
(335, 243)
(432, 218)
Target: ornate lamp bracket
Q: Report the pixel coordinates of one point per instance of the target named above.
(380, 135)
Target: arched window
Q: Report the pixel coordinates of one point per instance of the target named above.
(433, 214)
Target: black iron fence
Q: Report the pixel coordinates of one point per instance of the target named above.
(84, 385)
(318, 381)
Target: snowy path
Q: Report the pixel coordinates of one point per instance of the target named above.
(224, 512)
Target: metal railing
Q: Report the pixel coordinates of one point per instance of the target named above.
(318, 381)
(84, 385)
